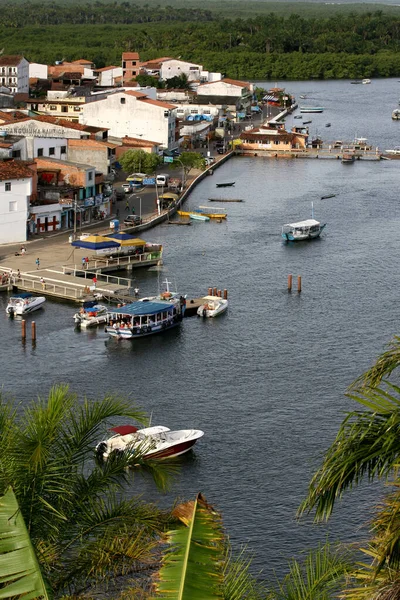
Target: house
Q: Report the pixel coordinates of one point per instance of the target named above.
(14, 73)
(61, 103)
(12, 146)
(38, 71)
(15, 193)
(134, 114)
(67, 191)
(6, 97)
(129, 143)
(99, 154)
(108, 76)
(130, 66)
(275, 139)
(175, 67)
(232, 95)
(153, 67)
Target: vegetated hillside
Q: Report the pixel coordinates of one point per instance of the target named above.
(271, 46)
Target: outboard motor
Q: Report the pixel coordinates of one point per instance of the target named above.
(100, 449)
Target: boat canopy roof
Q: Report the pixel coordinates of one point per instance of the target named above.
(307, 223)
(23, 295)
(143, 308)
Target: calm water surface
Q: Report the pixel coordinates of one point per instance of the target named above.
(266, 381)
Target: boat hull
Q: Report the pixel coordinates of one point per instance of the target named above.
(289, 237)
(25, 309)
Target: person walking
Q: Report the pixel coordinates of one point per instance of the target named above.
(42, 281)
(133, 210)
(127, 206)
(37, 263)
(94, 280)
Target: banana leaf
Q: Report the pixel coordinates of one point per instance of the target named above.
(19, 569)
(193, 567)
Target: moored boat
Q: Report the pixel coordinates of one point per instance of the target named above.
(91, 315)
(213, 213)
(227, 184)
(356, 81)
(311, 109)
(22, 304)
(396, 114)
(155, 443)
(348, 157)
(365, 81)
(212, 306)
(395, 151)
(302, 230)
(197, 216)
(143, 318)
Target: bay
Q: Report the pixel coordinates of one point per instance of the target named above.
(266, 382)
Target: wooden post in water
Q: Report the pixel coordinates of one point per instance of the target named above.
(215, 292)
(299, 283)
(225, 294)
(289, 283)
(23, 329)
(210, 292)
(33, 332)
(219, 293)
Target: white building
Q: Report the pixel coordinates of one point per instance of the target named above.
(108, 76)
(175, 67)
(133, 114)
(38, 71)
(14, 74)
(15, 192)
(232, 94)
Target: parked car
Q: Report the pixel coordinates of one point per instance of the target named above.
(132, 220)
(210, 160)
(126, 187)
(220, 150)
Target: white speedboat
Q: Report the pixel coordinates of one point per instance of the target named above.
(91, 315)
(25, 303)
(395, 151)
(151, 442)
(212, 306)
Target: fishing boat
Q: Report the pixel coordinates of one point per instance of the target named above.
(212, 306)
(226, 184)
(328, 196)
(298, 117)
(328, 125)
(311, 109)
(307, 122)
(356, 81)
(143, 318)
(303, 230)
(213, 213)
(22, 304)
(91, 314)
(396, 114)
(155, 443)
(348, 158)
(366, 81)
(394, 151)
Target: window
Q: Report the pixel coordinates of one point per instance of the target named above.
(8, 186)
(166, 113)
(40, 151)
(64, 109)
(194, 111)
(90, 175)
(124, 64)
(16, 153)
(53, 107)
(123, 100)
(77, 108)
(63, 149)
(52, 151)
(12, 206)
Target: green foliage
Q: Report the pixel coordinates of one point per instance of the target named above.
(315, 578)
(80, 523)
(19, 571)
(192, 568)
(191, 160)
(179, 82)
(274, 46)
(149, 81)
(140, 161)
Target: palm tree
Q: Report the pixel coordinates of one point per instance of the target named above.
(82, 523)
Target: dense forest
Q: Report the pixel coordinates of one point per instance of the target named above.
(264, 47)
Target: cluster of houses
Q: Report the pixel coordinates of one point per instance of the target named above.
(63, 128)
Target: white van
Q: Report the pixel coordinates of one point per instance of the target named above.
(162, 179)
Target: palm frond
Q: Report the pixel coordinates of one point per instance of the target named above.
(19, 569)
(315, 578)
(239, 583)
(192, 569)
(382, 368)
(366, 446)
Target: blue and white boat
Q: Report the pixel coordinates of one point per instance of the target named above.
(302, 230)
(24, 303)
(198, 217)
(146, 317)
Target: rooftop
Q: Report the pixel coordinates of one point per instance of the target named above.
(10, 60)
(14, 169)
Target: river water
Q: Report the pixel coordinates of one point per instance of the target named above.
(266, 381)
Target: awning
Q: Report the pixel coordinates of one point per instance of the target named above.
(137, 309)
(95, 242)
(124, 239)
(168, 196)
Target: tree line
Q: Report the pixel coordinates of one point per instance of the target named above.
(268, 47)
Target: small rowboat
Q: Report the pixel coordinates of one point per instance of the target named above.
(227, 184)
(198, 217)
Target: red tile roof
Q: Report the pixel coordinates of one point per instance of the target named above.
(158, 103)
(132, 141)
(63, 123)
(14, 169)
(10, 60)
(135, 94)
(11, 116)
(130, 55)
(82, 61)
(106, 69)
(227, 80)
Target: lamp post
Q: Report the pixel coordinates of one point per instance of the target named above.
(75, 208)
(140, 206)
